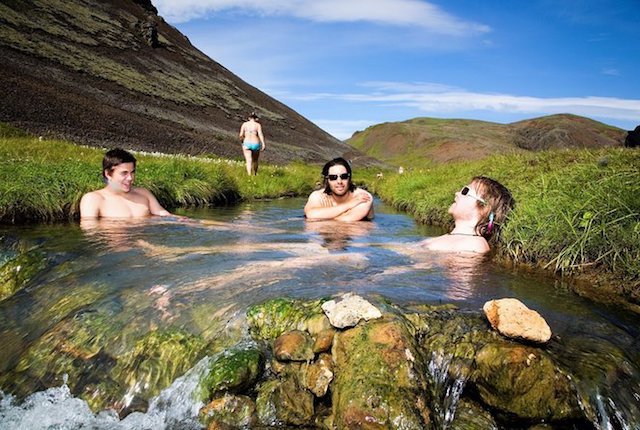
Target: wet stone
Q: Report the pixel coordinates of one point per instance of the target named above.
(514, 320)
(524, 381)
(294, 346)
(323, 341)
(284, 402)
(319, 375)
(230, 411)
(379, 378)
(234, 370)
(349, 311)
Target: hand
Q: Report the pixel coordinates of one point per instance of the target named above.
(360, 197)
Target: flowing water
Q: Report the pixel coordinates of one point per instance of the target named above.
(199, 277)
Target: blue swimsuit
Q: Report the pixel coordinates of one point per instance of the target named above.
(251, 146)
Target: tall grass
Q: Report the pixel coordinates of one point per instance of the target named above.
(45, 180)
(577, 211)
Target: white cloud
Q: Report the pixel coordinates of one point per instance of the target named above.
(436, 98)
(413, 13)
(342, 129)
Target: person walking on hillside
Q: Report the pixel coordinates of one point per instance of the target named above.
(252, 142)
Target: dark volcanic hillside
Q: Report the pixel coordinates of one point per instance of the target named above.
(114, 73)
(429, 140)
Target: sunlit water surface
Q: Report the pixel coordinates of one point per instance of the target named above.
(162, 273)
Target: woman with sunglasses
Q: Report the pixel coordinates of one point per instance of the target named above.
(479, 210)
(339, 199)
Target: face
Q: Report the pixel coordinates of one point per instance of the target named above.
(339, 186)
(121, 177)
(466, 203)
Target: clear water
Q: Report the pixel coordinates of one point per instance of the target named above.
(162, 273)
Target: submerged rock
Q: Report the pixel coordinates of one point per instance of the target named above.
(524, 381)
(229, 410)
(470, 415)
(513, 319)
(349, 311)
(379, 380)
(18, 269)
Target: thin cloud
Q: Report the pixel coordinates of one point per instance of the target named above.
(413, 13)
(432, 98)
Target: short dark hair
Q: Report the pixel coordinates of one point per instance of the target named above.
(114, 158)
(339, 161)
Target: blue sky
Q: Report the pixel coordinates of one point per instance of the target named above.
(349, 64)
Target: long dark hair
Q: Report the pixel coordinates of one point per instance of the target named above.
(498, 203)
(114, 158)
(325, 172)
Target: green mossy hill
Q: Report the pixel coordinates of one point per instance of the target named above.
(422, 142)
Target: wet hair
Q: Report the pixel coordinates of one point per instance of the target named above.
(325, 171)
(114, 158)
(499, 202)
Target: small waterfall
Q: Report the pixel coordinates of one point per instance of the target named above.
(447, 388)
(176, 407)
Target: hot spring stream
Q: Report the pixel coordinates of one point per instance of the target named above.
(75, 334)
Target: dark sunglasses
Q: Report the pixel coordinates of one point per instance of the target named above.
(466, 191)
(343, 176)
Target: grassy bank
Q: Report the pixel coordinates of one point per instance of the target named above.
(577, 212)
(44, 180)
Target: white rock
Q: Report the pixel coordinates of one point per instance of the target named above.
(349, 311)
(513, 319)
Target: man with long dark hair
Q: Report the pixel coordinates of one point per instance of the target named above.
(339, 198)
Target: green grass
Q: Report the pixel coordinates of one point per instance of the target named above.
(45, 180)
(577, 212)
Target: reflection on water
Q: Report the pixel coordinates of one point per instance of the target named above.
(125, 279)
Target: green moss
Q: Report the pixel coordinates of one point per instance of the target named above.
(275, 317)
(234, 370)
(19, 270)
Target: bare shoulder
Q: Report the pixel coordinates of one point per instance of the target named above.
(448, 243)
(92, 196)
(362, 190)
(318, 198)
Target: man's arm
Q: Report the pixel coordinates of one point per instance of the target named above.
(317, 209)
(90, 205)
(363, 209)
(154, 206)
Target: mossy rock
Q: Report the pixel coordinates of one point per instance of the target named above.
(285, 402)
(156, 360)
(73, 351)
(523, 381)
(470, 415)
(16, 272)
(235, 411)
(379, 378)
(234, 370)
(270, 319)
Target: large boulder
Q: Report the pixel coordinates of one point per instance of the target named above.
(523, 381)
(379, 378)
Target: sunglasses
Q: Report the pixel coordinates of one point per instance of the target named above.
(466, 191)
(343, 176)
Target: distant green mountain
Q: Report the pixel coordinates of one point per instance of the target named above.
(421, 141)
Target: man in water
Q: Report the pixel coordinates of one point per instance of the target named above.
(339, 199)
(119, 198)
